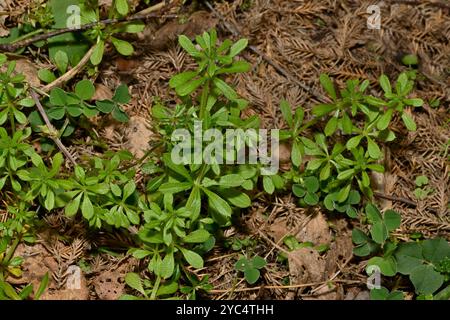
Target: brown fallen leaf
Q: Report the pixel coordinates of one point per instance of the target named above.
(138, 136)
(3, 8)
(109, 285)
(306, 266)
(278, 229)
(315, 231)
(126, 65)
(340, 250)
(102, 92)
(197, 23)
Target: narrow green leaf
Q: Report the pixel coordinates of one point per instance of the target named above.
(182, 78)
(218, 204)
(328, 85)
(225, 89)
(287, 112)
(42, 286)
(373, 149)
(189, 87)
(122, 7)
(197, 236)
(331, 126)
(97, 54)
(238, 47)
(193, 258)
(175, 187)
(134, 281)
(73, 206)
(385, 84)
(87, 208)
(268, 185)
(187, 45)
(231, 180)
(122, 46)
(385, 119)
(409, 122)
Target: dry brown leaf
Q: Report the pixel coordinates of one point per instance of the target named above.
(197, 23)
(3, 30)
(126, 65)
(102, 92)
(315, 231)
(109, 285)
(306, 266)
(138, 136)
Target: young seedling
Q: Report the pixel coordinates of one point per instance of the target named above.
(422, 191)
(250, 267)
(397, 101)
(307, 191)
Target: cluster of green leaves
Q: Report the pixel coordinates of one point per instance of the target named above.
(292, 244)
(426, 262)
(8, 292)
(13, 98)
(378, 111)
(66, 108)
(29, 182)
(378, 239)
(422, 189)
(238, 244)
(68, 49)
(188, 202)
(99, 35)
(355, 150)
(102, 34)
(250, 268)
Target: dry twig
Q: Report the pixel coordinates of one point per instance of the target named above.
(53, 132)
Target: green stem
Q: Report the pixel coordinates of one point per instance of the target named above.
(11, 122)
(11, 250)
(155, 288)
(204, 100)
(28, 35)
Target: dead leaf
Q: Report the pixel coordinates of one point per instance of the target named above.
(138, 136)
(278, 229)
(126, 65)
(109, 285)
(305, 266)
(102, 92)
(357, 294)
(37, 262)
(284, 153)
(3, 30)
(197, 23)
(315, 231)
(340, 250)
